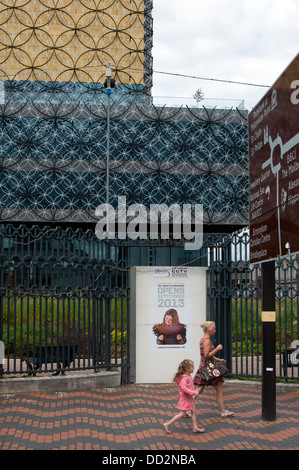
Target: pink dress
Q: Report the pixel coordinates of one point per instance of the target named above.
(186, 392)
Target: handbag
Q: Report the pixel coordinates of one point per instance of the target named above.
(212, 369)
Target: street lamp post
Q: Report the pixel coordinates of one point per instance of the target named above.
(108, 91)
(109, 83)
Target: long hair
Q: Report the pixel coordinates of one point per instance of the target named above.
(182, 369)
(174, 314)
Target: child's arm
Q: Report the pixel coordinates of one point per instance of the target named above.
(186, 385)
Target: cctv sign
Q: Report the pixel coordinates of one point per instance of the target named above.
(274, 169)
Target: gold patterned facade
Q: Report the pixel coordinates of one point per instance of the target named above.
(73, 40)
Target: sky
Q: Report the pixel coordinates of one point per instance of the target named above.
(234, 40)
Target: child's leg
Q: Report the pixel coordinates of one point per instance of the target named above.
(193, 418)
(194, 422)
(180, 415)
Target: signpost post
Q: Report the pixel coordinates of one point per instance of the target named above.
(268, 356)
(274, 202)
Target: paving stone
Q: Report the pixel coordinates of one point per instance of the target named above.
(131, 417)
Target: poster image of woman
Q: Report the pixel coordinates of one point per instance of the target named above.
(170, 331)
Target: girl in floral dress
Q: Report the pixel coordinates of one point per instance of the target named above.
(186, 392)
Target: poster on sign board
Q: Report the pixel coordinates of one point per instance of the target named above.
(171, 309)
(168, 309)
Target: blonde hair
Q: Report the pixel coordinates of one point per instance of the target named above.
(207, 325)
(184, 365)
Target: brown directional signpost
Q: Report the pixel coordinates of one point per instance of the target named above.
(274, 202)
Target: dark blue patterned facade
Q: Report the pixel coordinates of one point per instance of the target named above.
(54, 112)
(53, 160)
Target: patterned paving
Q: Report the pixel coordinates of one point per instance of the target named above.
(131, 417)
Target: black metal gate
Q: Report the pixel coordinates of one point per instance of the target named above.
(235, 294)
(64, 303)
(64, 299)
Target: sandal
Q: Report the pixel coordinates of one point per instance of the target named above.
(166, 427)
(188, 414)
(199, 430)
(227, 414)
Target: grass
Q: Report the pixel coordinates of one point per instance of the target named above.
(247, 324)
(31, 321)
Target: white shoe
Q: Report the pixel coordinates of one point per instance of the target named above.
(227, 414)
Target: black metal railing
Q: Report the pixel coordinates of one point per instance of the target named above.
(64, 301)
(235, 294)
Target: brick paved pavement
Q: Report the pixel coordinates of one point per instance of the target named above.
(132, 416)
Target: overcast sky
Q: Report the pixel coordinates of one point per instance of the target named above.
(245, 41)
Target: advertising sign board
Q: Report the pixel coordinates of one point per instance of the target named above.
(167, 310)
(274, 169)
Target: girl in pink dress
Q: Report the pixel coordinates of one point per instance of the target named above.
(186, 392)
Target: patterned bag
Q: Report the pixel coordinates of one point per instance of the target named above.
(212, 369)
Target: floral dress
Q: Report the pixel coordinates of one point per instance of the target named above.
(186, 392)
(197, 379)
